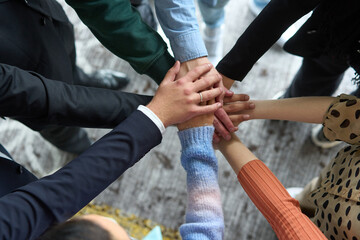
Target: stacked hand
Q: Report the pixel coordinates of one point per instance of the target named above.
(237, 109)
(233, 112)
(223, 124)
(178, 100)
(205, 119)
(226, 124)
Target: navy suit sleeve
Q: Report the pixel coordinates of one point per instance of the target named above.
(28, 211)
(37, 101)
(261, 34)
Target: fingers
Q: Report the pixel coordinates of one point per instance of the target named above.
(238, 106)
(206, 82)
(219, 127)
(210, 94)
(225, 120)
(237, 97)
(197, 72)
(220, 98)
(220, 84)
(229, 93)
(237, 119)
(200, 110)
(216, 138)
(171, 74)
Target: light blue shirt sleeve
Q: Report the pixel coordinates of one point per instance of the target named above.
(179, 23)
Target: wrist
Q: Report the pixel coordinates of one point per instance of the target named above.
(162, 117)
(228, 82)
(191, 64)
(224, 146)
(199, 121)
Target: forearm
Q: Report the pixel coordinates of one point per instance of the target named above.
(119, 27)
(31, 209)
(268, 194)
(274, 202)
(236, 153)
(276, 17)
(179, 22)
(305, 109)
(204, 216)
(38, 101)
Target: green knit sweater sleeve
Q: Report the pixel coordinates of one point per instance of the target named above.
(118, 26)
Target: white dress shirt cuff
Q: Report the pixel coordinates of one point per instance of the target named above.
(2, 155)
(153, 117)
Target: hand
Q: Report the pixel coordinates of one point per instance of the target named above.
(224, 122)
(202, 120)
(187, 66)
(237, 109)
(177, 101)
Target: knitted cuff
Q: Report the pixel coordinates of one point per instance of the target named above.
(197, 147)
(197, 135)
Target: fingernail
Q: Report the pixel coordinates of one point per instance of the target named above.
(233, 129)
(218, 105)
(246, 117)
(209, 64)
(252, 105)
(227, 137)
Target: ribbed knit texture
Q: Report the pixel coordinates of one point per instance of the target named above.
(274, 202)
(204, 217)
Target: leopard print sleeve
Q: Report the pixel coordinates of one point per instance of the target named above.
(341, 121)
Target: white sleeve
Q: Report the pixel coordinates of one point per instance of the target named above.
(153, 117)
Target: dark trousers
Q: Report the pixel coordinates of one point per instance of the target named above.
(318, 77)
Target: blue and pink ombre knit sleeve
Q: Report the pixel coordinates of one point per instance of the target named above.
(204, 217)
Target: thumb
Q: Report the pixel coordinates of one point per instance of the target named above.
(171, 74)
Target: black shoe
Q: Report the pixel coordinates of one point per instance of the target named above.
(106, 78)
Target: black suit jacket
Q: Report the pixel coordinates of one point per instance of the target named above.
(13, 176)
(28, 211)
(36, 36)
(318, 35)
(38, 101)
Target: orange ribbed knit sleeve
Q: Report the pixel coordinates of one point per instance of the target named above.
(274, 202)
